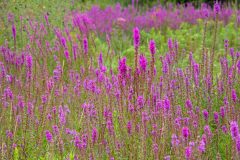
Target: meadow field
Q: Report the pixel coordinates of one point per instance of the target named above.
(119, 80)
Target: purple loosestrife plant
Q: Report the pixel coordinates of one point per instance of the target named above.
(29, 64)
(234, 96)
(122, 67)
(216, 8)
(185, 132)
(63, 42)
(136, 38)
(143, 63)
(49, 136)
(94, 135)
(129, 127)
(152, 47)
(14, 32)
(234, 130)
(202, 146)
(85, 46)
(73, 105)
(238, 144)
(188, 153)
(66, 53)
(205, 114)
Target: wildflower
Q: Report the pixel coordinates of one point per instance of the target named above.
(145, 117)
(55, 129)
(57, 73)
(46, 19)
(9, 134)
(8, 94)
(205, 114)
(234, 129)
(188, 104)
(216, 117)
(85, 46)
(224, 129)
(188, 152)
(136, 38)
(66, 53)
(232, 52)
(238, 144)
(207, 131)
(48, 136)
(226, 43)
(176, 45)
(110, 127)
(195, 124)
(167, 158)
(74, 49)
(238, 66)
(49, 116)
(222, 112)
(201, 146)
(30, 108)
(191, 144)
(29, 66)
(185, 132)
(21, 103)
(100, 60)
(10, 17)
(129, 127)
(29, 61)
(165, 66)
(175, 142)
(170, 44)
(122, 67)
(140, 102)
(61, 115)
(234, 95)
(205, 13)
(216, 8)
(14, 31)
(152, 47)
(84, 141)
(94, 135)
(77, 142)
(44, 99)
(167, 104)
(155, 149)
(178, 121)
(143, 62)
(63, 42)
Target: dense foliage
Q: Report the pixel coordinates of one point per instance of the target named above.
(120, 83)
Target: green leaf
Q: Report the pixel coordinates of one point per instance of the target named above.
(71, 156)
(16, 154)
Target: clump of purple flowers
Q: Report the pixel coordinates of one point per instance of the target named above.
(61, 97)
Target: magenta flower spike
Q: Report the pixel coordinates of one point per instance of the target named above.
(94, 135)
(185, 132)
(216, 8)
(234, 129)
(85, 46)
(66, 53)
(234, 96)
(152, 47)
(14, 31)
(136, 38)
(49, 136)
(143, 63)
(188, 153)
